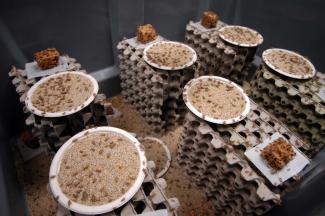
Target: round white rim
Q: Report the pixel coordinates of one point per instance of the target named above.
(269, 64)
(169, 158)
(36, 111)
(145, 57)
(208, 118)
(100, 209)
(223, 37)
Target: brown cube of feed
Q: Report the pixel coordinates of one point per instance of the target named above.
(47, 59)
(146, 33)
(209, 19)
(278, 154)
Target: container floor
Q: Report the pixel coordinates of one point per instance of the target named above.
(34, 173)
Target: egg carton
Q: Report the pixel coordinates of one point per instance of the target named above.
(258, 126)
(150, 198)
(214, 156)
(156, 94)
(23, 84)
(53, 132)
(300, 104)
(217, 57)
(220, 169)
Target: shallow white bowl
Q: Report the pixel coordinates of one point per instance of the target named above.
(145, 56)
(100, 209)
(34, 110)
(208, 118)
(285, 73)
(260, 37)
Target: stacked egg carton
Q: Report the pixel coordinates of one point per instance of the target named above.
(214, 156)
(156, 94)
(53, 132)
(150, 198)
(298, 103)
(218, 57)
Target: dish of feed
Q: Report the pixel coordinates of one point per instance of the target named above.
(61, 94)
(169, 55)
(240, 36)
(289, 63)
(158, 152)
(97, 170)
(216, 99)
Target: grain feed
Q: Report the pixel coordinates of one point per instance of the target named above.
(62, 93)
(98, 168)
(155, 152)
(169, 55)
(289, 62)
(217, 99)
(240, 35)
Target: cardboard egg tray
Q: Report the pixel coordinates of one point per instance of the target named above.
(53, 132)
(150, 198)
(218, 57)
(156, 94)
(300, 104)
(214, 156)
(22, 83)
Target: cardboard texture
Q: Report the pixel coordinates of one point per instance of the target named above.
(53, 132)
(156, 94)
(216, 56)
(297, 103)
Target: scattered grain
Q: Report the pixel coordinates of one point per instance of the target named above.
(225, 102)
(61, 93)
(289, 63)
(107, 176)
(170, 54)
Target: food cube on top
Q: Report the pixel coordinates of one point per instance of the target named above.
(48, 58)
(209, 19)
(278, 154)
(146, 33)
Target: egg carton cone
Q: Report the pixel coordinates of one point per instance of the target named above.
(55, 131)
(137, 81)
(156, 94)
(150, 199)
(214, 156)
(218, 159)
(298, 103)
(217, 57)
(23, 84)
